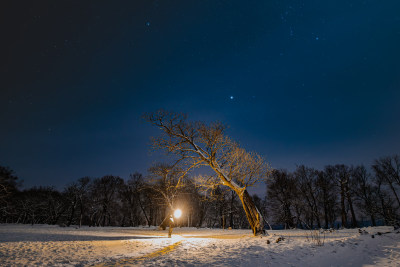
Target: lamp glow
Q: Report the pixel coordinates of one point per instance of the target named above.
(177, 213)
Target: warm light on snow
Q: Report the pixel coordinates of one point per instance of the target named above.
(177, 213)
(51, 245)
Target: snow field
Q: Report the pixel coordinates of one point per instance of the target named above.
(43, 245)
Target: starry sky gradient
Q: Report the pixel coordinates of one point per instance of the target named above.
(300, 82)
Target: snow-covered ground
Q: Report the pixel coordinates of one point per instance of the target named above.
(43, 245)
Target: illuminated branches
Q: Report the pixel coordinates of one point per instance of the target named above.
(196, 144)
(167, 181)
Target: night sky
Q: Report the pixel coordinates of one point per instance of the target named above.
(299, 82)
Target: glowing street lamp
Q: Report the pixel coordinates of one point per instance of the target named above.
(177, 213)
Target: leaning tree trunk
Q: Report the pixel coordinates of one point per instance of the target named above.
(163, 225)
(166, 221)
(253, 215)
(144, 212)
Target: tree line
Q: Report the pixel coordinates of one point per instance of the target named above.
(337, 196)
(113, 201)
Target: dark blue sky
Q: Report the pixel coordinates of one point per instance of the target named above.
(313, 82)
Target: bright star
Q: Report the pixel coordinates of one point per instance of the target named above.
(231, 97)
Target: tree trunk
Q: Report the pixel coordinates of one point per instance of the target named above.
(373, 220)
(201, 217)
(385, 217)
(81, 215)
(253, 215)
(163, 225)
(315, 211)
(353, 214)
(231, 210)
(103, 223)
(144, 212)
(325, 200)
(342, 206)
(71, 216)
(326, 217)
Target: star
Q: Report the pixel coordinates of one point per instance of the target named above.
(231, 97)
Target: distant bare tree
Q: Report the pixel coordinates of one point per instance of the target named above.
(167, 181)
(387, 205)
(366, 192)
(83, 186)
(8, 187)
(327, 197)
(74, 195)
(193, 203)
(105, 200)
(388, 170)
(196, 144)
(282, 195)
(341, 175)
(8, 182)
(41, 205)
(199, 203)
(131, 195)
(306, 179)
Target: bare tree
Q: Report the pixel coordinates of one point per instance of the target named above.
(82, 194)
(388, 170)
(105, 199)
(74, 194)
(196, 144)
(327, 197)
(341, 175)
(132, 194)
(167, 181)
(8, 187)
(282, 195)
(366, 192)
(307, 188)
(199, 204)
